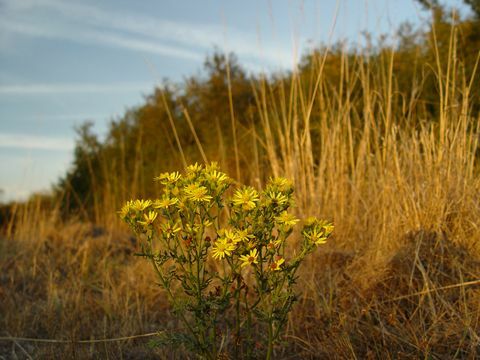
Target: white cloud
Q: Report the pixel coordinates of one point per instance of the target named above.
(23, 141)
(203, 36)
(91, 24)
(97, 37)
(141, 45)
(79, 116)
(25, 89)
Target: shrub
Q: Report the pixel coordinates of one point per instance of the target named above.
(221, 254)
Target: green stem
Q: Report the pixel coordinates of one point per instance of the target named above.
(270, 338)
(172, 297)
(213, 337)
(249, 328)
(237, 324)
(198, 251)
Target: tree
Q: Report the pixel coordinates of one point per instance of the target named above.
(428, 4)
(76, 188)
(475, 6)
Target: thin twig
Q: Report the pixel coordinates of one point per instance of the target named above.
(15, 339)
(22, 349)
(424, 292)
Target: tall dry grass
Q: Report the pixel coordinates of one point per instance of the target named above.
(399, 279)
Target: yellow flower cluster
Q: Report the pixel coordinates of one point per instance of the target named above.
(275, 198)
(165, 202)
(168, 178)
(317, 231)
(201, 187)
(280, 184)
(194, 169)
(246, 198)
(134, 206)
(196, 192)
(287, 220)
(222, 248)
(148, 218)
(216, 177)
(227, 242)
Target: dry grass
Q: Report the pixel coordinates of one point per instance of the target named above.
(402, 191)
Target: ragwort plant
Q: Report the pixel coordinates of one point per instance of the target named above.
(224, 260)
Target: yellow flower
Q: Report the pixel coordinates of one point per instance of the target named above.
(275, 266)
(175, 191)
(217, 177)
(243, 235)
(195, 228)
(125, 210)
(211, 167)
(327, 228)
(165, 202)
(194, 169)
(276, 198)
(249, 259)
(140, 205)
(170, 229)
(222, 248)
(192, 229)
(317, 231)
(168, 178)
(195, 192)
(149, 218)
(281, 183)
(272, 245)
(310, 221)
(246, 198)
(286, 219)
(207, 223)
(230, 236)
(251, 244)
(316, 236)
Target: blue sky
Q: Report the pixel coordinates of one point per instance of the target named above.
(63, 62)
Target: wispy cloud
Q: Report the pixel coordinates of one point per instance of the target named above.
(105, 38)
(67, 116)
(202, 36)
(141, 45)
(92, 24)
(34, 142)
(25, 89)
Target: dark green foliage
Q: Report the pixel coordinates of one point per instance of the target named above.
(428, 4)
(78, 184)
(475, 5)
